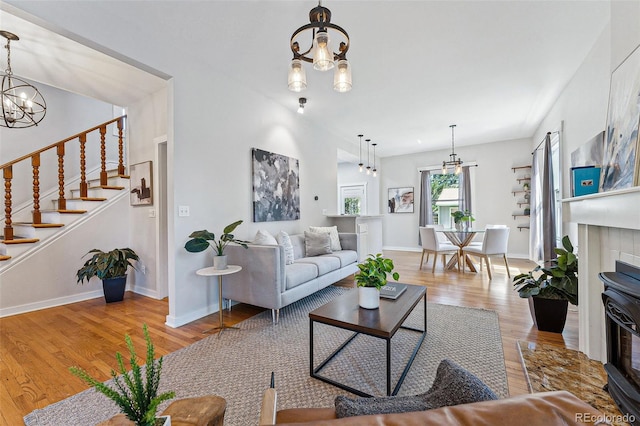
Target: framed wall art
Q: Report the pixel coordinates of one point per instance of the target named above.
(276, 187)
(400, 200)
(620, 160)
(141, 184)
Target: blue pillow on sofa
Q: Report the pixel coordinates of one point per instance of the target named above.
(453, 385)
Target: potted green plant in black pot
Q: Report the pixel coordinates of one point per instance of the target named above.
(111, 267)
(201, 240)
(551, 288)
(371, 278)
(134, 392)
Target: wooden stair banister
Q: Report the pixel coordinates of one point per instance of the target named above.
(35, 156)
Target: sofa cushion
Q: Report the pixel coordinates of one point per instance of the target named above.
(333, 234)
(316, 243)
(285, 241)
(264, 238)
(453, 385)
(346, 257)
(325, 264)
(299, 273)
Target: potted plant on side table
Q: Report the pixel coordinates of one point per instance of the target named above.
(111, 268)
(371, 278)
(135, 392)
(551, 289)
(201, 240)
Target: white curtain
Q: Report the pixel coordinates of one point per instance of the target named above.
(542, 237)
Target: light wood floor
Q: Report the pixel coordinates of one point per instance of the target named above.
(37, 348)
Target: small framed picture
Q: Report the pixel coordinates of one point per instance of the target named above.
(141, 184)
(401, 200)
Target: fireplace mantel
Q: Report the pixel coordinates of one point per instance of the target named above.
(600, 218)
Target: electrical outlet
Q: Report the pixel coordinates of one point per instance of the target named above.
(143, 269)
(183, 211)
(152, 213)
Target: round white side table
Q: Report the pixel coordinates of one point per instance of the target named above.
(211, 272)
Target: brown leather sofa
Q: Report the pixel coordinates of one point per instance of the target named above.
(544, 409)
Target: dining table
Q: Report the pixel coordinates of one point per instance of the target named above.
(460, 238)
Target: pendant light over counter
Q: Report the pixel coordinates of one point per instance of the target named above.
(369, 170)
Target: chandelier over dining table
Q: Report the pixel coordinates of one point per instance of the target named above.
(320, 30)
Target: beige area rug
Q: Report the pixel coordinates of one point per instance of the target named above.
(550, 368)
(238, 365)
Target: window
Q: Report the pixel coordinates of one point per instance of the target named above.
(353, 199)
(445, 198)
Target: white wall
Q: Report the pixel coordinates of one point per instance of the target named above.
(492, 183)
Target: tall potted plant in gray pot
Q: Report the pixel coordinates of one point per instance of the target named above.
(201, 240)
(551, 289)
(111, 267)
(371, 278)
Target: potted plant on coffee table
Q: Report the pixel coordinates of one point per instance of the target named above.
(551, 288)
(201, 240)
(371, 278)
(134, 392)
(111, 268)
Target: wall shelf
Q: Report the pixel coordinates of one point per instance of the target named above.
(520, 215)
(519, 168)
(521, 227)
(524, 200)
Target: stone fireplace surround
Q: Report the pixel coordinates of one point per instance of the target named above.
(608, 230)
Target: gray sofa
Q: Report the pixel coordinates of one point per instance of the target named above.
(267, 282)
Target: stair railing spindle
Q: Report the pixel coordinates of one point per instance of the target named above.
(35, 164)
(83, 166)
(103, 156)
(62, 202)
(120, 124)
(7, 174)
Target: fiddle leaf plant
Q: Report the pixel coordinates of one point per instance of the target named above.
(374, 270)
(105, 265)
(135, 392)
(558, 281)
(201, 240)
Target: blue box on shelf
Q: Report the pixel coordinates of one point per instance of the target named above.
(585, 180)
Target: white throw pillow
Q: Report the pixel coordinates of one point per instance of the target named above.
(285, 241)
(264, 238)
(333, 235)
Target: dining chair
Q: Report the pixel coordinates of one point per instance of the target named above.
(432, 244)
(479, 243)
(495, 242)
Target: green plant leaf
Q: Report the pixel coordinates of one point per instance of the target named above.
(230, 228)
(196, 245)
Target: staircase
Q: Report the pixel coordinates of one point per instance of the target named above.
(69, 202)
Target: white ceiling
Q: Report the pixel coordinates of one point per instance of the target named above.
(494, 68)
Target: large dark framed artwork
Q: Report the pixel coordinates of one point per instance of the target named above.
(400, 200)
(141, 185)
(276, 187)
(620, 161)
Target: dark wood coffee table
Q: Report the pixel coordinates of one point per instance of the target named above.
(343, 312)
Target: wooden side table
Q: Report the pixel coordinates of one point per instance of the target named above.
(211, 272)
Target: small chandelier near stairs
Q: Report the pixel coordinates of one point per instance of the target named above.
(22, 104)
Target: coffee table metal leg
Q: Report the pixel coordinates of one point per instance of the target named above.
(388, 367)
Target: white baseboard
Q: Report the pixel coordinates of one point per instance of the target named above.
(394, 248)
(175, 322)
(145, 292)
(50, 303)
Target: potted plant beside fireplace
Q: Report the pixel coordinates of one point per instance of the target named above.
(551, 289)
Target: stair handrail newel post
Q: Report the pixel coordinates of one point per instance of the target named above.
(35, 164)
(62, 202)
(7, 171)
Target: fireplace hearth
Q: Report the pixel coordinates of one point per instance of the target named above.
(621, 298)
